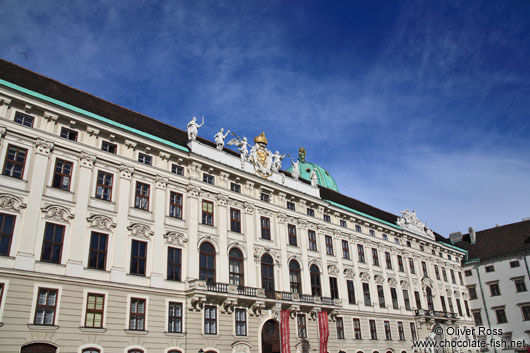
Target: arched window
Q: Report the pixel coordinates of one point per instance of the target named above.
(267, 275)
(235, 260)
(174, 351)
(207, 262)
(316, 289)
(91, 350)
(294, 277)
(38, 348)
(429, 299)
(136, 350)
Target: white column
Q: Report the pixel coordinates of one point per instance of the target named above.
(222, 228)
(158, 248)
(281, 231)
(304, 244)
(193, 224)
(251, 280)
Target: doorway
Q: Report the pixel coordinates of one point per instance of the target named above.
(270, 337)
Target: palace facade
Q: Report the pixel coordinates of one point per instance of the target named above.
(121, 234)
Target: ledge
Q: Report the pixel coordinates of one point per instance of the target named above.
(92, 329)
(136, 332)
(43, 327)
(174, 334)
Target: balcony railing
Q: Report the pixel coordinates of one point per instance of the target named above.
(248, 291)
(326, 300)
(217, 287)
(435, 314)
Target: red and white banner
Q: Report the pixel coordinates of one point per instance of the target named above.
(284, 326)
(323, 331)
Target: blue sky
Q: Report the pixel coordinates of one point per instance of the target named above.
(409, 104)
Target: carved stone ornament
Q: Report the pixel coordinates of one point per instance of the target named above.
(264, 212)
(333, 270)
(99, 221)
(87, 160)
(11, 203)
(206, 237)
(282, 218)
(392, 282)
(427, 282)
(365, 276)
(410, 221)
(175, 238)
(349, 273)
(140, 230)
(379, 279)
(193, 191)
(161, 182)
(3, 131)
(58, 213)
(241, 347)
(43, 147)
(259, 252)
(303, 347)
(126, 171)
(249, 208)
(404, 284)
(465, 295)
(222, 200)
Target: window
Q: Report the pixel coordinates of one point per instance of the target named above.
(467, 308)
(7, 225)
(235, 220)
(451, 308)
(235, 261)
(373, 330)
(477, 317)
(430, 303)
(393, 294)
(24, 119)
(69, 134)
(472, 292)
(316, 289)
(413, 331)
(175, 205)
(526, 312)
(388, 260)
(327, 218)
(366, 293)
(372, 232)
(381, 296)
(265, 197)
(174, 262)
(340, 328)
(137, 314)
(291, 231)
(135, 351)
(265, 228)
(329, 245)
(375, 257)
(310, 212)
(94, 310)
(235, 188)
(104, 186)
(467, 273)
(302, 329)
(177, 169)
(411, 265)
(401, 331)
(417, 298)
(459, 307)
(514, 263)
(442, 301)
(174, 319)
(453, 279)
(46, 307)
(91, 350)
(52, 245)
(241, 322)
(406, 299)
(460, 278)
(345, 249)
(358, 228)
(62, 175)
(207, 212)
(409, 244)
(424, 269)
(207, 262)
(422, 248)
(333, 288)
(15, 161)
(343, 223)
(109, 147)
(267, 275)
(208, 178)
(294, 277)
(494, 289)
(312, 239)
(360, 252)
(501, 315)
(437, 272)
(145, 158)
(357, 329)
(141, 200)
(138, 257)
(400, 263)
(291, 206)
(520, 285)
(97, 255)
(490, 268)
(444, 274)
(388, 332)
(351, 291)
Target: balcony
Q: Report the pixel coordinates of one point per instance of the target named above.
(429, 315)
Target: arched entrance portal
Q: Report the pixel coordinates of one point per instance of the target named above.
(38, 348)
(270, 337)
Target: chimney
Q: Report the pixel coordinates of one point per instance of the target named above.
(455, 237)
(472, 235)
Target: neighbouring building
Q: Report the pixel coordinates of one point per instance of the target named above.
(122, 234)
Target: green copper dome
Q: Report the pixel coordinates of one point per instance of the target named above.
(306, 168)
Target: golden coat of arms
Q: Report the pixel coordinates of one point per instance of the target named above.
(261, 157)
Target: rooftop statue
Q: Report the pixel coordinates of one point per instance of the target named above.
(314, 178)
(193, 128)
(301, 154)
(277, 161)
(220, 139)
(242, 147)
(295, 173)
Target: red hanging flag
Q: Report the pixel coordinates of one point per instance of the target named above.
(284, 319)
(323, 331)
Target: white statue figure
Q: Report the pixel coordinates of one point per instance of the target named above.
(220, 139)
(314, 178)
(193, 128)
(431, 337)
(296, 169)
(277, 161)
(455, 339)
(242, 147)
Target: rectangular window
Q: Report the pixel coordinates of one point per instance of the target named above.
(526, 312)
(477, 317)
(207, 213)
(444, 274)
(520, 285)
(68, 134)
(141, 200)
(472, 292)
(291, 206)
(15, 161)
(109, 147)
(372, 232)
(24, 119)
(62, 175)
(46, 307)
(2, 285)
(437, 272)
(265, 197)
(375, 257)
(104, 186)
(327, 218)
(466, 305)
(514, 263)
(241, 322)
(52, 244)
(138, 257)
(94, 310)
(351, 291)
(174, 263)
(413, 331)
(460, 278)
(265, 228)
(453, 279)
(137, 314)
(373, 330)
(312, 239)
(418, 301)
(174, 319)
(388, 260)
(145, 158)
(175, 205)
(343, 223)
(451, 308)
(501, 316)
(388, 332)
(381, 296)
(490, 268)
(329, 245)
(393, 294)
(366, 294)
(401, 331)
(333, 288)
(7, 226)
(340, 328)
(235, 220)
(467, 273)
(311, 212)
(411, 265)
(210, 320)
(360, 252)
(208, 178)
(400, 263)
(302, 330)
(235, 188)
(458, 307)
(358, 228)
(442, 301)
(494, 289)
(424, 269)
(406, 299)
(357, 329)
(97, 256)
(291, 230)
(177, 169)
(345, 249)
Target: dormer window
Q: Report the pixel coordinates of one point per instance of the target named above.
(177, 169)
(310, 212)
(68, 134)
(265, 197)
(208, 178)
(145, 158)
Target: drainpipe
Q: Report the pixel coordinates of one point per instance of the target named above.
(526, 264)
(484, 300)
